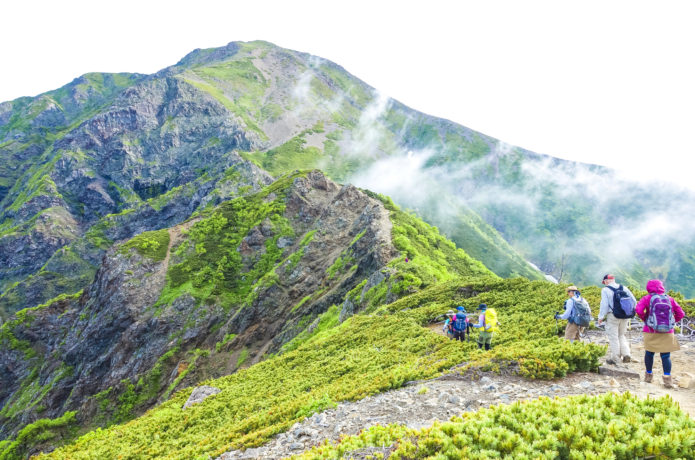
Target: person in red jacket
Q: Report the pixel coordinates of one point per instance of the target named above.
(659, 313)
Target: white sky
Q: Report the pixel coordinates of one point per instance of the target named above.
(608, 82)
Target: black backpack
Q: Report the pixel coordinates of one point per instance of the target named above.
(623, 305)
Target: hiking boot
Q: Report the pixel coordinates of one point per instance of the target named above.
(611, 362)
(627, 359)
(668, 381)
(648, 377)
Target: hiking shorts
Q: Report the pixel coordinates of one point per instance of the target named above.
(485, 338)
(460, 335)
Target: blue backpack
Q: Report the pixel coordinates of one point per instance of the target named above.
(460, 322)
(623, 305)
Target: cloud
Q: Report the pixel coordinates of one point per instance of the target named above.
(619, 219)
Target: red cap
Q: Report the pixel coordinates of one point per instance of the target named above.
(608, 277)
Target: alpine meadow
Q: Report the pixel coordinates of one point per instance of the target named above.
(258, 225)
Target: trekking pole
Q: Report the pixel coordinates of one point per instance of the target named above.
(557, 328)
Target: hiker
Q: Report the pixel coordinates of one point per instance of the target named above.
(660, 313)
(448, 328)
(459, 324)
(577, 313)
(617, 308)
(488, 322)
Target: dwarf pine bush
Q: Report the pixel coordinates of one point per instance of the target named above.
(597, 427)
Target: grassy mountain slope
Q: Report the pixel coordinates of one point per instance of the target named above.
(250, 277)
(365, 354)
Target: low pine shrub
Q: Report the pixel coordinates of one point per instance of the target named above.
(599, 427)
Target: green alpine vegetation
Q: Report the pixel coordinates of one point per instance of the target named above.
(599, 427)
(153, 244)
(159, 232)
(366, 354)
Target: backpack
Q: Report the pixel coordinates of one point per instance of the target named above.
(581, 313)
(490, 324)
(460, 322)
(623, 305)
(660, 317)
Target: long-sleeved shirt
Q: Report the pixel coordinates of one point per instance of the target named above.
(481, 321)
(607, 300)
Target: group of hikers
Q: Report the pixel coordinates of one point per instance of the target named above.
(458, 325)
(658, 310)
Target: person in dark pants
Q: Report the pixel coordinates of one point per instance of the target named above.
(660, 313)
(460, 324)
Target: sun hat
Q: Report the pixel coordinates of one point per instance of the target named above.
(572, 288)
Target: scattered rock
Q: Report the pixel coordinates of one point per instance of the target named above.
(445, 398)
(485, 381)
(585, 385)
(614, 383)
(686, 380)
(617, 372)
(257, 452)
(200, 394)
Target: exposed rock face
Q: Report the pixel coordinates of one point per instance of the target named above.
(153, 137)
(200, 394)
(116, 334)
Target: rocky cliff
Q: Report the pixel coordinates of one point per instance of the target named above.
(204, 298)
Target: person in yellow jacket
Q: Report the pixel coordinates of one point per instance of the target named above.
(487, 322)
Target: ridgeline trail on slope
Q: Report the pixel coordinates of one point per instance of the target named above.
(421, 403)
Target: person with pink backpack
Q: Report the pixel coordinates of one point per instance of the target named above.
(660, 313)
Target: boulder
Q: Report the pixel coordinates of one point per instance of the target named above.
(200, 394)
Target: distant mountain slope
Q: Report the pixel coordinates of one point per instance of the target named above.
(145, 152)
(364, 355)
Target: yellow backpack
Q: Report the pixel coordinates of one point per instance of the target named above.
(490, 320)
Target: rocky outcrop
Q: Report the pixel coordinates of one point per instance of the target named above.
(154, 137)
(200, 394)
(120, 337)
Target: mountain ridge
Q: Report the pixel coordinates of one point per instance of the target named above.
(178, 230)
(75, 186)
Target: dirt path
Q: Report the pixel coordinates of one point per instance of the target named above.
(420, 404)
(682, 360)
(173, 234)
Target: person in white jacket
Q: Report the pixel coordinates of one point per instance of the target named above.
(616, 328)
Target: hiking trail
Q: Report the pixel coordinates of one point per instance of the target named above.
(421, 403)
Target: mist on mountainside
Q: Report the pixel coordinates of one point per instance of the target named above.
(575, 221)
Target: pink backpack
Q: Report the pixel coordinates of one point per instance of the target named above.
(660, 317)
